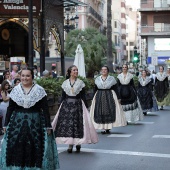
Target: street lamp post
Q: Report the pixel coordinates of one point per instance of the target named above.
(43, 38)
(109, 36)
(76, 21)
(30, 34)
(71, 22)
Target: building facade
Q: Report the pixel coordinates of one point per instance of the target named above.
(132, 32)
(91, 15)
(123, 27)
(118, 30)
(155, 30)
(48, 17)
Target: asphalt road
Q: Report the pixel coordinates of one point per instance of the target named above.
(141, 146)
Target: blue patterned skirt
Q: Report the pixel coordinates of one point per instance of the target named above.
(26, 144)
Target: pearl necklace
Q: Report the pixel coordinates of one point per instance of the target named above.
(104, 81)
(72, 89)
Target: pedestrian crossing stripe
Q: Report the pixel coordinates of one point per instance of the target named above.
(117, 152)
(119, 135)
(147, 123)
(161, 136)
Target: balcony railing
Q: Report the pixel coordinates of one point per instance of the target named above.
(155, 29)
(155, 4)
(95, 14)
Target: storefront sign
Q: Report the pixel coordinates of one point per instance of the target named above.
(18, 7)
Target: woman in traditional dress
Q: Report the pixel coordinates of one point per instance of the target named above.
(28, 143)
(128, 96)
(168, 74)
(72, 124)
(145, 93)
(162, 88)
(106, 111)
(5, 99)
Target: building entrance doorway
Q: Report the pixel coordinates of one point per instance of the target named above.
(13, 40)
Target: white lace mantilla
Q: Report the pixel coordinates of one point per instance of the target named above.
(78, 86)
(107, 84)
(161, 77)
(27, 100)
(144, 81)
(125, 79)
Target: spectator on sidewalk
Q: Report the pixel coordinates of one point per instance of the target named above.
(53, 72)
(14, 71)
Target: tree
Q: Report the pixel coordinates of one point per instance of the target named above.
(109, 36)
(94, 45)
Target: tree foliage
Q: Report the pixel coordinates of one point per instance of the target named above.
(94, 45)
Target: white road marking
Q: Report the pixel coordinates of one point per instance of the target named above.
(60, 151)
(117, 152)
(119, 135)
(161, 136)
(147, 123)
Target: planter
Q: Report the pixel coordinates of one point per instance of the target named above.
(53, 109)
(1, 117)
(52, 104)
(89, 96)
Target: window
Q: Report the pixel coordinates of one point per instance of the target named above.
(116, 41)
(131, 43)
(115, 24)
(144, 20)
(123, 15)
(143, 1)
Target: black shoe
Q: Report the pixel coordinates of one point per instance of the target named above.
(78, 147)
(145, 113)
(103, 132)
(108, 131)
(1, 132)
(69, 150)
(161, 108)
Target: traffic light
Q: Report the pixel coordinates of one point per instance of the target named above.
(136, 57)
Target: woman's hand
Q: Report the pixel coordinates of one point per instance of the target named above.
(49, 131)
(119, 101)
(4, 129)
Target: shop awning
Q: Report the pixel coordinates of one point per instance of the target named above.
(68, 3)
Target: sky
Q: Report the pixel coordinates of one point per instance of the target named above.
(133, 3)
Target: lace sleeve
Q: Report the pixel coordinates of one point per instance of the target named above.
(167, 83)
(63, 96)
(83, 97)
(156, 80)
(151, 86)
(132, 84)
(139, 85)
(118, 86)
(10, 109)
(115, 88)
(44, 106)
(118, 82)
(95, 89)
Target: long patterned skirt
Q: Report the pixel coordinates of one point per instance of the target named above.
(106, 112)
(133, 112)
(162, 93)
(72, 124)
(146, 98)
(26, 144)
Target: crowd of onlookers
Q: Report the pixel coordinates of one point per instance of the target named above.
(9, 80)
